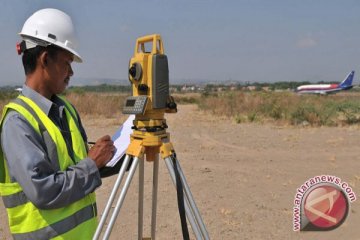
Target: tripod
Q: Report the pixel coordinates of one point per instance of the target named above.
(150, 139)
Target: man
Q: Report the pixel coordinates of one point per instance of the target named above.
(47, 174)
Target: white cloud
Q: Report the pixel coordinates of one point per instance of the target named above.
(124, 28)
(306, 42)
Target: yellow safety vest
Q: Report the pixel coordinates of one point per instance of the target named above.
(26, 221)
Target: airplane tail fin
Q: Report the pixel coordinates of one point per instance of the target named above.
(347, 82)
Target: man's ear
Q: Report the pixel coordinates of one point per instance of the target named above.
(44, 59)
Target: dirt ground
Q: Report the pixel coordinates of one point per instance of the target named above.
(243, 177)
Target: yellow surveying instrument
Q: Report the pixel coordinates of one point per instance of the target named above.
(150, 100)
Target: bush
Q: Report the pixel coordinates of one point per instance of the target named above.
(285, 107)
(351, 112)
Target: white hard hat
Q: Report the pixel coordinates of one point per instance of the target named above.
(50, 26)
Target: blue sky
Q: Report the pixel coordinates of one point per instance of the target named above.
(240, 40)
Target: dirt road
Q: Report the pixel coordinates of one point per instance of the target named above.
(243, 177)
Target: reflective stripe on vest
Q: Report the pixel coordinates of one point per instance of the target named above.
(25, 220)
(59, 227)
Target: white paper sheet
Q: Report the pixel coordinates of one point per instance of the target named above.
(121, 140)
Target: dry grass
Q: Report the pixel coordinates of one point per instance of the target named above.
(98, 104)
(284, 107)
(279, 107)
(91, 104)
(3, 103)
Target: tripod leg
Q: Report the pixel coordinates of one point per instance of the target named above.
(188, 211)
(154, 197)
(141, 200)
(192, 202)
(112, 197)
(121, 197)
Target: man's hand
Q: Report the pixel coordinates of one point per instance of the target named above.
(102, 151)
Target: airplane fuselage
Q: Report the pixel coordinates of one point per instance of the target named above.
(321, 88)
(346, 84)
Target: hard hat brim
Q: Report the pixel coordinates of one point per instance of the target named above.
(77, 57)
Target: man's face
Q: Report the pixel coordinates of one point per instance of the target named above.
(59, 71)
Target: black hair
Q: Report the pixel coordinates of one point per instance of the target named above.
(30, 56)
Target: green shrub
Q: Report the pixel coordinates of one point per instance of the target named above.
(285, 107)
(351, 112)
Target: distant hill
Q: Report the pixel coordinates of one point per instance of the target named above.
(97, 81)
(117, 81)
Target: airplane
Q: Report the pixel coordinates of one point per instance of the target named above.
(324, 89)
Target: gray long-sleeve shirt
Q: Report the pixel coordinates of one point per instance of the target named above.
(40, 177)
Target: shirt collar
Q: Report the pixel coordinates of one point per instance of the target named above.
(43, 103)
